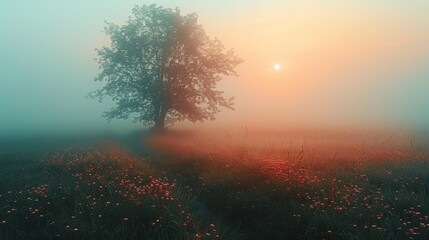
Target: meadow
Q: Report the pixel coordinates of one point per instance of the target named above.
(240, 184)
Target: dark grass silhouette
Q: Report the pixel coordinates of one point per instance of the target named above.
(110, 188)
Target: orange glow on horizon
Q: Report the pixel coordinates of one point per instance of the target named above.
(335, 55)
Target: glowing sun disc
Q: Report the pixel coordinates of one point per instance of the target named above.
(276, 67)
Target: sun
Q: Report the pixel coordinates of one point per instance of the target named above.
(276, 67)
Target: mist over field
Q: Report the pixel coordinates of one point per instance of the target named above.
(232, 120)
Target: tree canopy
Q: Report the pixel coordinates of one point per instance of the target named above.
(161, 67)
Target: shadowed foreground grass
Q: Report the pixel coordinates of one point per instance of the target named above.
(97, 194)
(106, 192)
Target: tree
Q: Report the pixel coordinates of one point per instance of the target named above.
(162, 67)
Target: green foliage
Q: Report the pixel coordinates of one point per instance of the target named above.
(161, 66)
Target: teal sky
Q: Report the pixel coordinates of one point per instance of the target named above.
(357, 62)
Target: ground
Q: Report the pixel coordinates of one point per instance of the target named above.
(228, 185)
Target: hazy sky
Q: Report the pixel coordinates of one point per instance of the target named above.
(341, 62)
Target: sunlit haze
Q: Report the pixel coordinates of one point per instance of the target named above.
(319, 63)
(214, 120)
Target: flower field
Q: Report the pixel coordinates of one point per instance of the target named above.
(229, 187)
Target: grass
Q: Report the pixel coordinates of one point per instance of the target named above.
(225, 186)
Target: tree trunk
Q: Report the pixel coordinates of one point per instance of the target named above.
(160, 119)
(161, 109)
(159, 125)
